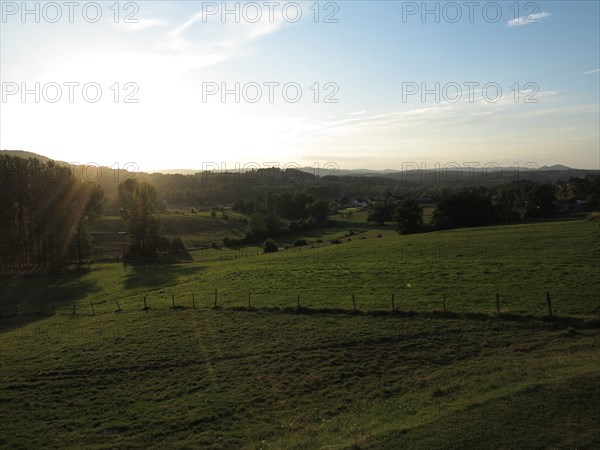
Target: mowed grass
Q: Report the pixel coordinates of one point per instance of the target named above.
(261, 379)
(274, 378)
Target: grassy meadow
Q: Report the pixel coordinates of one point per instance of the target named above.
(76, 372)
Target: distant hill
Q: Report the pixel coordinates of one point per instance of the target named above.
(176, 171)
(24, 154)
(544, 173)
(555, 167)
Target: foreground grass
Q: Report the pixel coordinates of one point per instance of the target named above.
(233, 379)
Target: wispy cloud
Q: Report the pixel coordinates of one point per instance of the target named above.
(223, 41)
(563, 111)
(427, 117)
(528, 19)
(592, 71)
(142, 24)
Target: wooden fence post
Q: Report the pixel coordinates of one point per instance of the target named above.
(215, 298)
(118, 306)
(393, 304)
(249, 303)
(193, 301)
(444, 302)
(145, 305)
(498, 303)
(353, 302)
(93, 312)
(298, 299)
(73, 313)
(173, 300)
(549, 303)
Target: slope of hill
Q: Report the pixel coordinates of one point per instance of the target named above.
(103, 372)
(25, 154)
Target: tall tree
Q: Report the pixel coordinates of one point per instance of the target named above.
(43, 207)
(382, 211)
(139, 203)
(90, 202)
(318, 210)
(408, 217)
(540, 200)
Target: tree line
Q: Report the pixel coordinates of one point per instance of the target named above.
(477, 206)
(277, 214)
(46, 215)
(47, 212)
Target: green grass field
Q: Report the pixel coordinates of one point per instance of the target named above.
(276, 377)
(519, 262)
(195, 229)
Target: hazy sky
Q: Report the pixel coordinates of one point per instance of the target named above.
(342, 83)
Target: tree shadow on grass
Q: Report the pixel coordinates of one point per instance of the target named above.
(34, 297)
(142, 274)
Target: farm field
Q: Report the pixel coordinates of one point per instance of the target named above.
(274, 376)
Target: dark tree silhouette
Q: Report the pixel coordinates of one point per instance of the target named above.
(138, 208)
(408, 217)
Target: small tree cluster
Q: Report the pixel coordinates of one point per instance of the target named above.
(270, 246)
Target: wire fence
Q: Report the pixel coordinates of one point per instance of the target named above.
(306, 299)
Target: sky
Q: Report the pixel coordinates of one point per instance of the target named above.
(377, 85)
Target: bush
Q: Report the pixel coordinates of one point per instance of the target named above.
(594, 216)
(270, 246)
(300, 242)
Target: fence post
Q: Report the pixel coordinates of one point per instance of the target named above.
(498, 303)
(549, 303)
(249, 304)
(215, 298)
(353, 302)
(393, 304)
(444, 302)
(173, 300)
(118, 306)
(145, 305)
(298, 299)
(193, 301)
(73, 313)
(93, 312)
